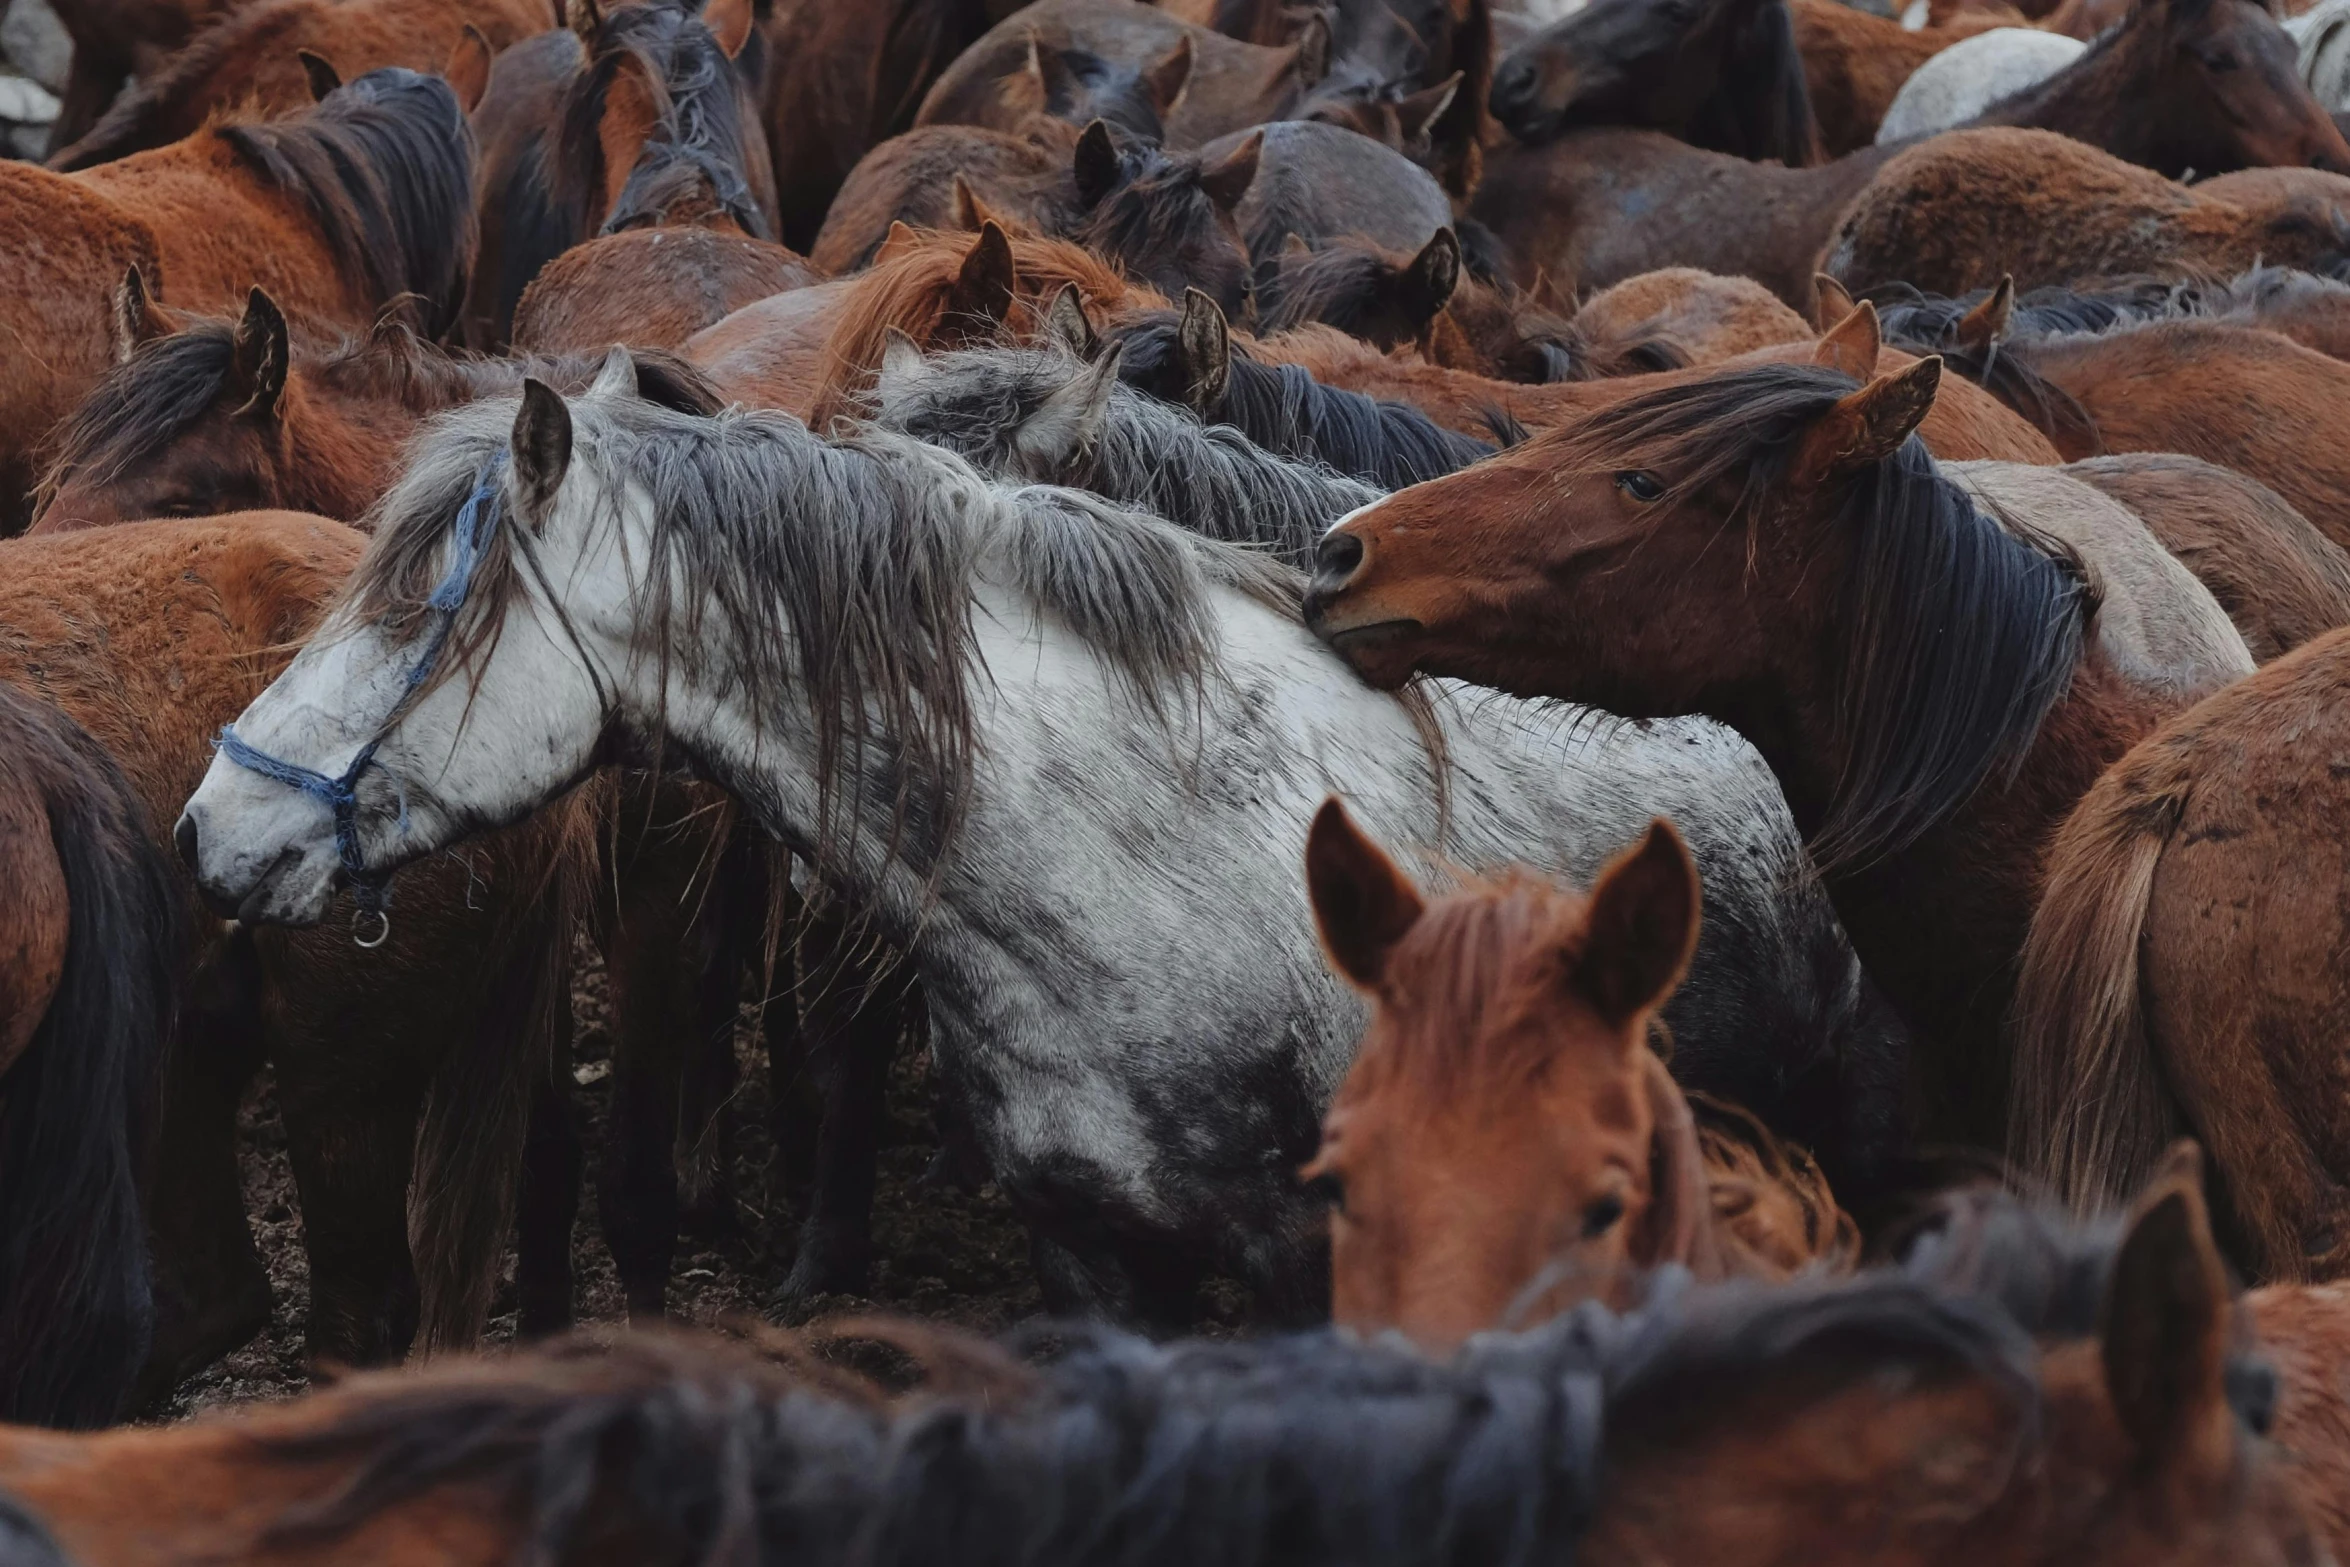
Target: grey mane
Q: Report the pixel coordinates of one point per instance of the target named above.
(1210, 479)
(838, 574)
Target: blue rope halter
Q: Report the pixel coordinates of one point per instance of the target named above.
(371, 890)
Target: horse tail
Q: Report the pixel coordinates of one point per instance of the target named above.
(2090, 1111)
(470, 1140)
(76, 1108)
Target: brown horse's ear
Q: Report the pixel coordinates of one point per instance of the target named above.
(542, 446)
(1433, 274)
(468, 70)
(972, 214)
(137, 318)
(1204, 339)
(899, 239)
(1678, 1226)
(1831, 301)
(1095, 164)
(1068, 327)
(982, 291)
(1057, 438)
(1309, 52)
(1169, 77)
(319, 72)
(2165, 1327)
(1986, 324)
(729, 22)
(1229, 177)
(259, 354)
(1422, 109)
(632, 112)
(1048, 76)
(1363, 905)
(1641, 929)
(1294, 244)
(1868, 426)
(1852, 344)
(586, 20)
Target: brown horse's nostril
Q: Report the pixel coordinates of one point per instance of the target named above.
(1339, 557)
(184, 835)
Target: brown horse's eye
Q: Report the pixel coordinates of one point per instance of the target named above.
(1328, 1188)
(1602, 1216)
(1640, 486)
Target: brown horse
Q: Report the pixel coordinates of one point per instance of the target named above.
(90, 934)
(275, 56)
(1961, 210)
(1855, 62)
(2179, 972)
(1767, 546)
(1870, 1420)
(651, 288)
(1506, 1143)
(590, 131)
(1705, 316)
(114, 40)
(340, 211)
(402, 1071)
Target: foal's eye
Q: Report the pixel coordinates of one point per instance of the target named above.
(1640, 486)
(1602, 1216)
(1328, 1188)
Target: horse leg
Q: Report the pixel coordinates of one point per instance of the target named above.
(91, 81)
(856, 1020)
(705, 1142)
(549, 1206)
(352, 1146)
(211, 1289)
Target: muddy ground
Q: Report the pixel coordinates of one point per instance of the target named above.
(941, 1253)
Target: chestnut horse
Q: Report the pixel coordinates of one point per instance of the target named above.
(1768, 546)
(275, 56)
(340, 212)
(401, 1070)
(2180, 970)
(1848, 1423)
(1506, 1143)
(90, 933)
(651, 287)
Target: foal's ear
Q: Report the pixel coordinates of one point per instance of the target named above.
(900, 238)
(137, 318)
(616, 377)
(2164, 1330)
(729, 22)
(1679, 1224)
(468, 70)
(1641, 929)
(1204, 339)
(900, 355)
(1831, 301)
(1852, 344)
(971, 213)
(1056, 437)
(1309, 54)
(319, 72)
(1228, 178)
(1363, 905)
(1986, 324)
(542, 447)
(1068, 327)
(1433, 274)
(1422, 109)
(982, 293)
(1095, 164)
(1169, 76)
(259, 355)
(1048, 76)
(1867, 426)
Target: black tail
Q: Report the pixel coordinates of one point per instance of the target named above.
(76, 1106)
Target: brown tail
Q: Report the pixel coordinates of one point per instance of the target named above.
(2090, 1112)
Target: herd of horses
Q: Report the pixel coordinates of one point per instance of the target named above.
(1638, 709)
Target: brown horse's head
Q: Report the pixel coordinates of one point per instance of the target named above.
(1505, 1122)
(2219, 84)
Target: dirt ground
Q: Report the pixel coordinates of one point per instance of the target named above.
(940, 1253)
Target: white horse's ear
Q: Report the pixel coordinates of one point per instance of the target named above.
(617, 376)
(1070, 422)
(542, 446)
(899, 356)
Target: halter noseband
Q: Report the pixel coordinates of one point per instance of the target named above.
(371, 890)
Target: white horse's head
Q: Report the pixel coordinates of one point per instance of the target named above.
(465, 678)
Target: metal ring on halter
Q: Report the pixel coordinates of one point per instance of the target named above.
(383, 928)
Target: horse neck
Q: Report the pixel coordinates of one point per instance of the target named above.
(343, 447)
(2088, 100)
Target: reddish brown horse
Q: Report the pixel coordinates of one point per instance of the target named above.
(275, 56)
(1767, 546)
(90, 934)
(341, 211)
(2012, 1425)
(401, 1071)
(2180, 972)
(1506, 1143)
(651, 287)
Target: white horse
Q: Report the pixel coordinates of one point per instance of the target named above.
(2322, 35)
(1959, 83)
(1066, 754)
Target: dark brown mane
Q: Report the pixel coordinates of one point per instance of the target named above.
(385, 168)
(1959, 637)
